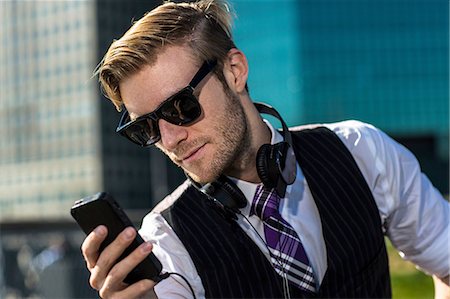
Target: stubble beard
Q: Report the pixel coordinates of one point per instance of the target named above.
(234, 148)
(233, 142)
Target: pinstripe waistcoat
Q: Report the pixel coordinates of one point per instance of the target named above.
(232, 266)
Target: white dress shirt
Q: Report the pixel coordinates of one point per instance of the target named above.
(413, 213)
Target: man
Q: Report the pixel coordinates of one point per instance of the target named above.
(314, 229)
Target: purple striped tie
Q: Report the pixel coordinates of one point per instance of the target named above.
(286, 251)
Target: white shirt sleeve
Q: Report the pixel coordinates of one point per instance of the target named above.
(174, 257)
(414, 214)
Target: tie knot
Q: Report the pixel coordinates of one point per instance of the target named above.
(265, 202)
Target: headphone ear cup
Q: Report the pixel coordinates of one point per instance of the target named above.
(236, 198)
(262, 167)
(224, 192)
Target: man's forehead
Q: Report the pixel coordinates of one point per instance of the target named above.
(152, 84)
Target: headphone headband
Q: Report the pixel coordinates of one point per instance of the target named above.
(267, 109)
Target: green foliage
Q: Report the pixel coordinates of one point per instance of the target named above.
(414, 285)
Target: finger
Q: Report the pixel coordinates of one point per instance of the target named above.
(109, 256)
(91, 245)
(125, 266)
(140, 289)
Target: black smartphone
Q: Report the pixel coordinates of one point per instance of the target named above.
(101, 208)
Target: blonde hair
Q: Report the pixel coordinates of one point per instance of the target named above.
(204, 26)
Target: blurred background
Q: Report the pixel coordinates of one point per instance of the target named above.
(385, 62)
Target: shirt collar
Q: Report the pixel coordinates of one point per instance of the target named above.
(276, 136)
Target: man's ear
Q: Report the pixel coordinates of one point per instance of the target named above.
(236, 70)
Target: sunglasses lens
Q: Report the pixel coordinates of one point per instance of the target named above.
(182, 109)
(143, 132)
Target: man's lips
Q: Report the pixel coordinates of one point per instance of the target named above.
(191, 155)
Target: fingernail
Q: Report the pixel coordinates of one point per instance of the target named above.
(100, 231)
(146, 247)
(129, 233)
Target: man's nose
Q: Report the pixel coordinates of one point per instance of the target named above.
(171, 135)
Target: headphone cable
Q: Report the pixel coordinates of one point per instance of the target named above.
(167, 274)
(278, 258)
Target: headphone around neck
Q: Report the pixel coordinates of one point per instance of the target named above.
(275, 164)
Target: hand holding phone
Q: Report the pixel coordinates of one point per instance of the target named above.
(102, 209)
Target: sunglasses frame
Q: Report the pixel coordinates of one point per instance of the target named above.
(157, 114)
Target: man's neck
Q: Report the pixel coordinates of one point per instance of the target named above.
(244, 167)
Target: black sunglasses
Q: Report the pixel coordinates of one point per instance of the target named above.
(180, 109)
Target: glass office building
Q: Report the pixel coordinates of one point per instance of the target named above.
(49, 123)
(59, 142)
(379, 61)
